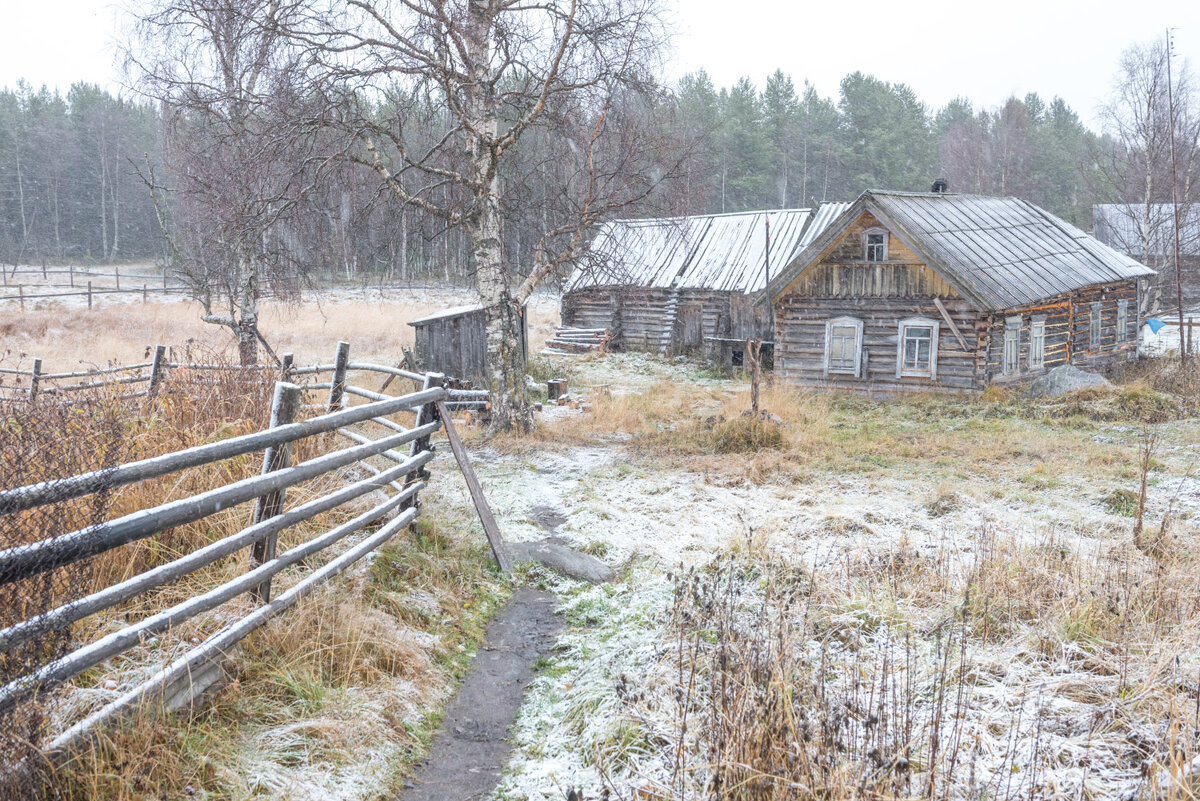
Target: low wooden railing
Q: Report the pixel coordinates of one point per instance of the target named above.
(406, 446)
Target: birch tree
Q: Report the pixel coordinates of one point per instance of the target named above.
(499, 70)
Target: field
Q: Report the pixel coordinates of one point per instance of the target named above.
(842, 598)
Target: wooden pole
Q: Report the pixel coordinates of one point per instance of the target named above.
(1175, 200)
(21, 295)
(35, 379)
(426, 414)
(89, 294)
(283, 412)
(157, 368)
(285, 366)
(338, 387)
(117, 276)
(1191, 328)
(481, 505)
(71, 271)
(144, 294)
(43, 269)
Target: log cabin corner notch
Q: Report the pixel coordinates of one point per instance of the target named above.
(950, 293)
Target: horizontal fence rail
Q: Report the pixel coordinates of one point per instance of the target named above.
(403, 446)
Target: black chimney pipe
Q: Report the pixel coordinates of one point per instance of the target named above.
(940, 186)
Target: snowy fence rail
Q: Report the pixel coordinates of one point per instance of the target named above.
(25, 566)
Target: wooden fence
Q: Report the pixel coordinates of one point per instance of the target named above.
(404, 448)
(80, 280)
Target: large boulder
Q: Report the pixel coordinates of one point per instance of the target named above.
(1063, 379)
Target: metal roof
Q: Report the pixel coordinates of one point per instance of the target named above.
(1120, 225)
(999, 252)
(722, 252)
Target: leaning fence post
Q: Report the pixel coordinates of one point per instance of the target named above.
(338, 388)
(157, 368)
(283, 412)
(426, 414)
(35, 379)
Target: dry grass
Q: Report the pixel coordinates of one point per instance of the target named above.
(68, 337)
(348, 681)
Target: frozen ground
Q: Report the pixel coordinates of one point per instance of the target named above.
(656, 515)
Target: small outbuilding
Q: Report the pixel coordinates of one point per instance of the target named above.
(687, 284)
(454, 342)
(951, 293)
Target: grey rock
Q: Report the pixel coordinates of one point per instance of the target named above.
(558, 557)
(1063, 379)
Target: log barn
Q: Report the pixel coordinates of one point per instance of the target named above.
(687, 284)
(951, 293)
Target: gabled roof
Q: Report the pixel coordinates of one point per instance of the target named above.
(721, 252)
(998, 252)
(1121, 225)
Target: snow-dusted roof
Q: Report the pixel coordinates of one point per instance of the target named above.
(454, 311)
(999, 252)
(1121, 226)
(722, 252)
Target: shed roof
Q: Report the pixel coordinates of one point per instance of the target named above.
(721, 252)
(446, 314)
(999, 252)
(1121, 225)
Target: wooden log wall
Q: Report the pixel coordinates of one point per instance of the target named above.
(1068, 332)
(800, 344)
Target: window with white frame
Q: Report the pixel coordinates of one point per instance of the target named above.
(916, 353)
(875, 245)
(1012, 345)
(1122, 320)
(1037, 343)
(1094, 326)
(843, 346)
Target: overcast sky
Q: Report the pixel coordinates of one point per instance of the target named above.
(941, 48)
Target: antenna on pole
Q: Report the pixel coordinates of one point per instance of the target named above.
(1175, 202)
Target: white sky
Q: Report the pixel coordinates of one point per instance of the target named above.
(986, 51)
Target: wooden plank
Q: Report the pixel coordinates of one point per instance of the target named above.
(481, 505)
(953, 328)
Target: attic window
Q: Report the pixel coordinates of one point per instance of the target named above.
(875, 245)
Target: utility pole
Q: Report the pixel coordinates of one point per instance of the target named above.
(1175, 204)
(767, 289)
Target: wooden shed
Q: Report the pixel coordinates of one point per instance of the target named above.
(454, 342)
(687, 284)
(951, 293)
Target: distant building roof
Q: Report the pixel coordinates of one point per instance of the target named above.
(1122, 225)
(999, 252)
(722, 252)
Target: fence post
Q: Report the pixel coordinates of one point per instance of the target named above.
(283, 411)
(21, 295)
(35, 379)
(426, 414)
(71, 271)
(143, 294)
(117, 276)
(89, 294)
(285, 366)
(338, 387)
(43, 269)
(157, 368)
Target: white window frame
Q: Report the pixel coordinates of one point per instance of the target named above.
(857, 324)
(1095, 326)
(1037, 343)
(917, 322)
(865, 247)
(1122, 321)
(1011, 357)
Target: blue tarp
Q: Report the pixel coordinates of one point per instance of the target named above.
(1155, 324)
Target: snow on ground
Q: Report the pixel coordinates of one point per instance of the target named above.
(654, 517)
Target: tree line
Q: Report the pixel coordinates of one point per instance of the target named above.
(73, 185)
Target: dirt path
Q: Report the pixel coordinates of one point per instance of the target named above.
(467, 757)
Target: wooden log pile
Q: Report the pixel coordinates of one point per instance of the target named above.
(577, 340)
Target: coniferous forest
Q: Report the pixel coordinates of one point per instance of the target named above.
(75, 170)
